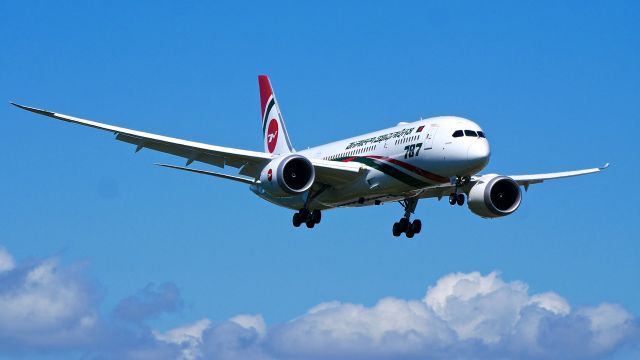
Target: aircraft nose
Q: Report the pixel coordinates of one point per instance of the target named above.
(479, 153)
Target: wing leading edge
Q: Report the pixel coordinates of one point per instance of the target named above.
(526, 180)
(249, 162)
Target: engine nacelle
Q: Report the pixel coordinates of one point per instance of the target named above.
(494, 196)
(287, 175)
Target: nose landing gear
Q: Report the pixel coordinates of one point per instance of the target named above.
(405, 225)
(455, 197)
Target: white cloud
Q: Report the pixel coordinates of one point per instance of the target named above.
(42, 305)
(552, 302)
(46, 307)
(608, 323)
(6, 261)
(392, 326)
(464, 316)
(477, 307)
(188, 337)
(255, 322)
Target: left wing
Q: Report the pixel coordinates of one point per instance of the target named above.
(250, 162)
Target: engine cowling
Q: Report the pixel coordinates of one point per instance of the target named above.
(494, 196)
(287, 175)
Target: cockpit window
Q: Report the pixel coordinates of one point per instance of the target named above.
(457, 133)
(470, 133)
(481, 134)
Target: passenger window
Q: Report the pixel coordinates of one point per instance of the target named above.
(457, 133)
(481, 134)
(470, 133)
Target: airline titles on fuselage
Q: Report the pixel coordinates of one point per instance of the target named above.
(381, 138)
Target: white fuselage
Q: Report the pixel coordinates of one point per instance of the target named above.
(401, 160)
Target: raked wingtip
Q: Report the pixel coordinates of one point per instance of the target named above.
(34, 110)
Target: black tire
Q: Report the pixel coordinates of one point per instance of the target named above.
(460, 199)
(397, 229)
(304, 214)
(316, 215)
(410, 233)
(404, 223)
(310, 223)
(452, 199)
(296, 220)
(416, 226)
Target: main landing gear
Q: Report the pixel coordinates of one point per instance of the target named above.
(455, 197)
(310, 218)
(306, 216)
(405, 225)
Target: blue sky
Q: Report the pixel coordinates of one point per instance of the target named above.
(553, 84)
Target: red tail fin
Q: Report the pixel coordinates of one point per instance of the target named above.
(265, 92)
(276, 139)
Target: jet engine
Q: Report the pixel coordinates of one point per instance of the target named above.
(494, 196)
(287, 175)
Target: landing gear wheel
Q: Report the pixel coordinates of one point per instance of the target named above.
(404, 224)
(460, 199)
(416, 226)
(453, 198)
(316, 216)
(397, 229)
(296, 220)
(304, 214)
(310, 223)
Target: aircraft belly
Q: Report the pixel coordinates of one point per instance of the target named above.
(376, 186)
(387, 180)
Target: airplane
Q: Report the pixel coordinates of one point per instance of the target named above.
(430, 158)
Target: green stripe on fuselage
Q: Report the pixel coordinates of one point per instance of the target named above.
(389, 170)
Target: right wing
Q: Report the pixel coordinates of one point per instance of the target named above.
(441, 190)
(526, 180)
(250, 162)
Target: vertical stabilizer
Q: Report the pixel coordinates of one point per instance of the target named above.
(276, 138)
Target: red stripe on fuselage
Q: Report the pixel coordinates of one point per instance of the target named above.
(409, 167)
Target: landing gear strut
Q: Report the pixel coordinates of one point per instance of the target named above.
(455, 197)
(405, 225)
(310, 218)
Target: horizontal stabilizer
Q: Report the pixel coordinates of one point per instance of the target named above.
(211, 173)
